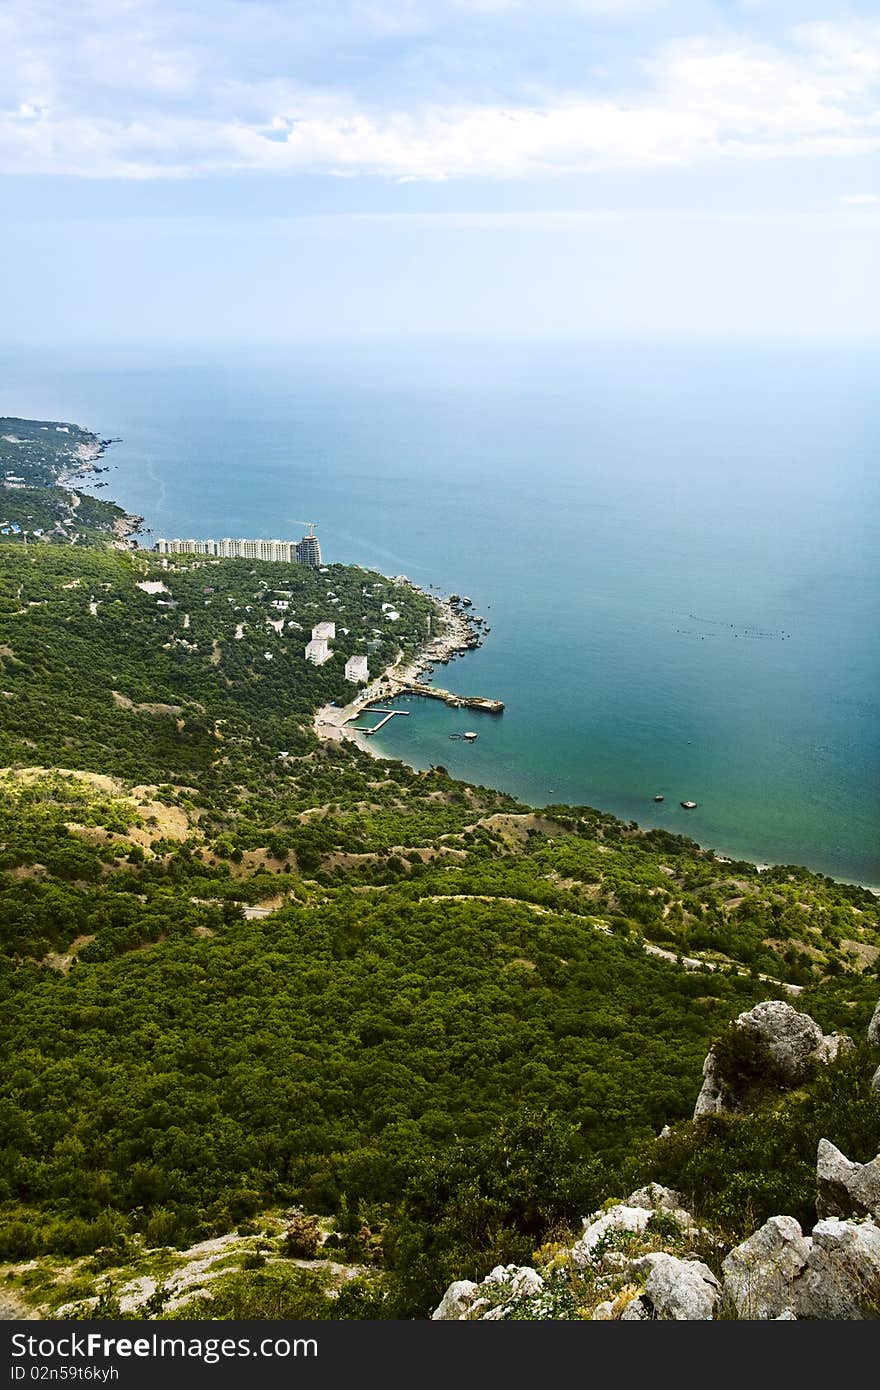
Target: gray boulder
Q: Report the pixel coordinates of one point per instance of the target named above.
(521, 1280)
(681, 1290)
(842, 1279)
(638, 1310)
(632, 1215)
(657, 1198)
(793, 1040)
(761, 1274)
(875, 1082)
(874, 1026)
(492, 1298)
(599, 1227)
(711, 1100)
(604, 1312)
(844, 1188)
(456, 1301)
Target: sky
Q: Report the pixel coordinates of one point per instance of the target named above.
(294, 170)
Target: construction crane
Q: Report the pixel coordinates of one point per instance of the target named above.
(311, 524)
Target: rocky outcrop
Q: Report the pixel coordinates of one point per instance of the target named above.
(632, 1215)
(711, 1099)
(844, 1188)
(777, 1274)
(793, 1041)
(456, 1301)
(760, 1275)
(491, 1299)
(874, 1027)
(680, 1290)
(781, 1273)
(842, 1279)
(875, 1082)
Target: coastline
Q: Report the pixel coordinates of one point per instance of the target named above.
(126, 524)
(458, 634)
(330, 723)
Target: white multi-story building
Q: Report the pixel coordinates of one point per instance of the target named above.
(356, 669)
(327, 630)
(317, 651)
(304, 552)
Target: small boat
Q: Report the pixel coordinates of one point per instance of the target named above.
(470, 737)
(658, 798)
(688, 805)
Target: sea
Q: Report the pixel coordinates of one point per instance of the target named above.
(674, 545)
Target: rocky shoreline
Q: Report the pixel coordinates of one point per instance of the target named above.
(127, 524)
(461, 630)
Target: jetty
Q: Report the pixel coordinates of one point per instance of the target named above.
(388, 713)
(435, 692)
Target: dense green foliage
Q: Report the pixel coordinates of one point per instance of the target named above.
(38, 461)
(453, 1023)
(739, 1169)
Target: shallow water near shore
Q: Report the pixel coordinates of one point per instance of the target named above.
(674, 547)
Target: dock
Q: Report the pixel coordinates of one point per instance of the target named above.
(434, 692)
(388, 713)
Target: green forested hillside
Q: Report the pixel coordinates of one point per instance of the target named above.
(233, 980)
(39, 462)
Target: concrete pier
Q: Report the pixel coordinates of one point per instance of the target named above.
(434, 692)
(389, 714)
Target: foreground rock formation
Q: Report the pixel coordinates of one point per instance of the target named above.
(793, 1042)
(619, 1269)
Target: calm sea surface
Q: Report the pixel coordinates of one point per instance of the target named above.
(675, 547)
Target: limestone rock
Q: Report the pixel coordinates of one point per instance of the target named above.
(490, 1299)
(639, 1310)
(831, 1045)
(874, 1026)
(521, 1280)
(844, 1188)
(617, 1218)
(631, 1215)
(603, 1312)
(657, 1198)
(760, 1274)
(793, 1039)
(842, 1279)
(710, 1101)
(456, 1301)
(681, 1290)
(875, 1082)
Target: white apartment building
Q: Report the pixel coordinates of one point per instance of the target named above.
(356, 669)
(317, 651)
(304, 552)
(327, 630)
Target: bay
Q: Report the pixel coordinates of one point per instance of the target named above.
(674, 544)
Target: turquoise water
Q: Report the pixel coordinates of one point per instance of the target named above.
(675, 547)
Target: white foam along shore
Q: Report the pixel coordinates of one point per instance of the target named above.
(126, 524)
(332, 723)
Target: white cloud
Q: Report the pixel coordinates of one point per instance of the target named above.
(129, 92)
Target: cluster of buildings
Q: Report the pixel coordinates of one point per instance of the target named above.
(306, 551)
(318, 651)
